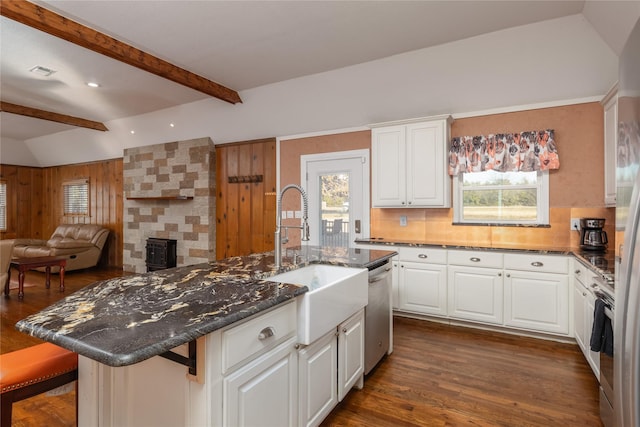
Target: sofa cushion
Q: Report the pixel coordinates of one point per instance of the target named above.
(68, 243)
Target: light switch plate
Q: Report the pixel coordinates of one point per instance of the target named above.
(403, 221)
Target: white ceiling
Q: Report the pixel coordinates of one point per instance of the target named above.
(242, 45)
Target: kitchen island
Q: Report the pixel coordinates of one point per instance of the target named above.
(117, 326)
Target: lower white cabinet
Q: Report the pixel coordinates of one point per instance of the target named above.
(583, 307)
(264, 391)
(328, 368)
(423, 288)
(536, 301)
(351, 354)
(476, 294)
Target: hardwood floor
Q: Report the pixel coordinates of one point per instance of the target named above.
(438, 375)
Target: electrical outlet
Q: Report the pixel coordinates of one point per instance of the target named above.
(403, 221)
(575, 224)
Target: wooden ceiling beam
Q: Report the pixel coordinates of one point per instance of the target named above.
(50, 22)
(53, 117)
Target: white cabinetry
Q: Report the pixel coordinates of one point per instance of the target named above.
(423, 281)
(583, 306)
(610, 105)
(317, 387)
(475, 288)
(409, 164)
(328, 369)
(351, 354)
(536, 293)
(264, 391)
(247, 375)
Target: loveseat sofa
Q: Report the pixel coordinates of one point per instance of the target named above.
(81, 244)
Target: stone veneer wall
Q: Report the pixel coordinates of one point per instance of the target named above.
(183, 168)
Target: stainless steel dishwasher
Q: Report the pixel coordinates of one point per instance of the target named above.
(377, 321)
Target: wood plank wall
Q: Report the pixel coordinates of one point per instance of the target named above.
(245, 212)
(34, 202)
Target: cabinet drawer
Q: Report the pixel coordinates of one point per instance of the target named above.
(583, 273)
(427, 255)
(533, 262)
(259, 334)
(476, 258)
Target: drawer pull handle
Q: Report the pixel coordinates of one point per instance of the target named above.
(537, 264)
(578, 272)
(423, 256)
(267, 332)
(474, 259)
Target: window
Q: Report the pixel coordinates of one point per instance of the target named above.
(3, 205)
(489, 197)
(76, 197)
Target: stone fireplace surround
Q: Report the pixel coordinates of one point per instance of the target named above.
(169, 193)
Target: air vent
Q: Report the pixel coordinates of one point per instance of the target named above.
(43, 71)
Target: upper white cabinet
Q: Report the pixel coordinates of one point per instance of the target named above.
(409, 164)
(610, 104)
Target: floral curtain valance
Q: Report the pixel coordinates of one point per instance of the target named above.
(504, 152)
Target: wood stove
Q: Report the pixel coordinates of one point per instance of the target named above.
(161, 253)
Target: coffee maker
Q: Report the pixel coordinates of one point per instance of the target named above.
(592, 237)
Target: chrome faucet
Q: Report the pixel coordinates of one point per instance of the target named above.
(304, 227)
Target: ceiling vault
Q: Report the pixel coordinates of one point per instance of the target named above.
(57, 25)
(48, 115)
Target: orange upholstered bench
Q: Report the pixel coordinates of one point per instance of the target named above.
(31, 371)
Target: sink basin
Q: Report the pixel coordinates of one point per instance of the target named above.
(335, 293)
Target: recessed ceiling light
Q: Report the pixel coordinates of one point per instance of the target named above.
(172, 125)
(132, 132)
(43, 71)
(93, 84)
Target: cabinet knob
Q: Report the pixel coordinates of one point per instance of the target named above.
(584, 294)
(403, 203)
(344, 330)
(499, 274)
(409, 202)
(508, 275)
(267, 332)
(578, 272)
(474, 259)
(423, 256)
(537, 264)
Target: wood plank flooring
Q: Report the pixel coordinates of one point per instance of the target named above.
(438, 375)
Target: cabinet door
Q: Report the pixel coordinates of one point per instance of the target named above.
(264, 391)
(427, 179)
(592, 357)
(580, 318)
(388, 167)
(610, 147)
(350, 354)
(317, 380)
(475, 294)
(395, 283)
(423, 288)
(537, 301)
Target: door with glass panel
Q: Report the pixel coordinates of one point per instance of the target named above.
(338, 189)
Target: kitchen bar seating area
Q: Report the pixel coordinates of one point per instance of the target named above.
(437, 375)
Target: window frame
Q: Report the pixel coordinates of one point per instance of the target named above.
(542, 208)
(65, 203)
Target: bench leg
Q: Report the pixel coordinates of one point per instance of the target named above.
(62, 277)
(6, 406)
(21, 284)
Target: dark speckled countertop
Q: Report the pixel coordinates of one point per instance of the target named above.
(128, 319)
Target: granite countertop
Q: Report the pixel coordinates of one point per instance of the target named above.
(602, 263)
(126, 320)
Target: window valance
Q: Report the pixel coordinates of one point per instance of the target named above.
(504, 152)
